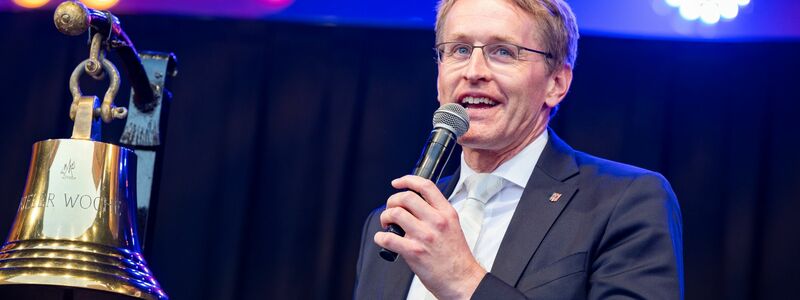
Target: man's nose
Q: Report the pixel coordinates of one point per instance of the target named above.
(477, 67)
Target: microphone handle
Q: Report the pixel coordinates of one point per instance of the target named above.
(430, 165)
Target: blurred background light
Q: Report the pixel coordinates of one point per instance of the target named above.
(690, 10)
(729, 10)
(100, 4)
(648, 19)
(708, 11)
(31, 3)
(277, 3)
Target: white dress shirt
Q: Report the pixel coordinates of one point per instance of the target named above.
(500, 208)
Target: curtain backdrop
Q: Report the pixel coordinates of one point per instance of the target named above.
(283, 137)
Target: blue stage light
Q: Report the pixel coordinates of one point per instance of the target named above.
(708, 11)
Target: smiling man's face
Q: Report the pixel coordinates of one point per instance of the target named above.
(519, 95)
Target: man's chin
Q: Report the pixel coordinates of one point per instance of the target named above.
(476, 142)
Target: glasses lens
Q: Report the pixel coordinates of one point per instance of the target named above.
(453, 52)
(502, 53)
(460, 51)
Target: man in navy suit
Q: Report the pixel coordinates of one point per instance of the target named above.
(561, 224)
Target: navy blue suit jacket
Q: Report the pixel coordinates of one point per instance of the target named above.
(614, 233)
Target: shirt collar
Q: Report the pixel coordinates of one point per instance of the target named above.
(516, 170)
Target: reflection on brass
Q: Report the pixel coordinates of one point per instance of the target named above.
(76, 223)
(84, 117)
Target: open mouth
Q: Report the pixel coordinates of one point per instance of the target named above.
(477, 102)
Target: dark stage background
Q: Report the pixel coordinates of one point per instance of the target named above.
(282, 137)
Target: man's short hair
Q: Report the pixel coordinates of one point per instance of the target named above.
(557, 26)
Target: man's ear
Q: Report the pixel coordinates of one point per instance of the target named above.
(558, 86)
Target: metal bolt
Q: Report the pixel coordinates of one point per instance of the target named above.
(92, 67)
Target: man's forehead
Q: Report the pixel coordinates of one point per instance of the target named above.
(488, 21)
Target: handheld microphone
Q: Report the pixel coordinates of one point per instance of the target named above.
(450, 122)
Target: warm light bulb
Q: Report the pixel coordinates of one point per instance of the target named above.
(31, 3)
(100, 4)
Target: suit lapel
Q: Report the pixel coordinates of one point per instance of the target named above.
(398, 280)
(536, 213)
(398, 275)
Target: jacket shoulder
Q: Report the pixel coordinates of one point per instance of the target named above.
(594, 166)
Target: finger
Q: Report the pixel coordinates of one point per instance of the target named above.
(396, 243)
(414, 204)
(398, 215)
(403, 198)
(426, 188)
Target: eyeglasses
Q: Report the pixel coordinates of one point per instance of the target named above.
(499, 53)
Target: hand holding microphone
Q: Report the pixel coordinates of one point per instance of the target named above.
(450, 122)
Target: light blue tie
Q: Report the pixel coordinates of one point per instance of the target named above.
(480, 188)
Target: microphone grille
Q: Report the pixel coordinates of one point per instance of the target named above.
(453, 117)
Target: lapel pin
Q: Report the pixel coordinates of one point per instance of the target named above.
(554, 197)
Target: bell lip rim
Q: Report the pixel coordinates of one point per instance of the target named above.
(133, 280)
(154, 295)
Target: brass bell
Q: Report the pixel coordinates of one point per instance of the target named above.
(76, 223)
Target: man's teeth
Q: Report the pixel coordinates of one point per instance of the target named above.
(478, 100)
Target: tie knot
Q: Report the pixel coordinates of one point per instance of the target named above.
(483, 186)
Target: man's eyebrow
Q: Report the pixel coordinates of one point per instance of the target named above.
(460, 37)
(504, 39)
